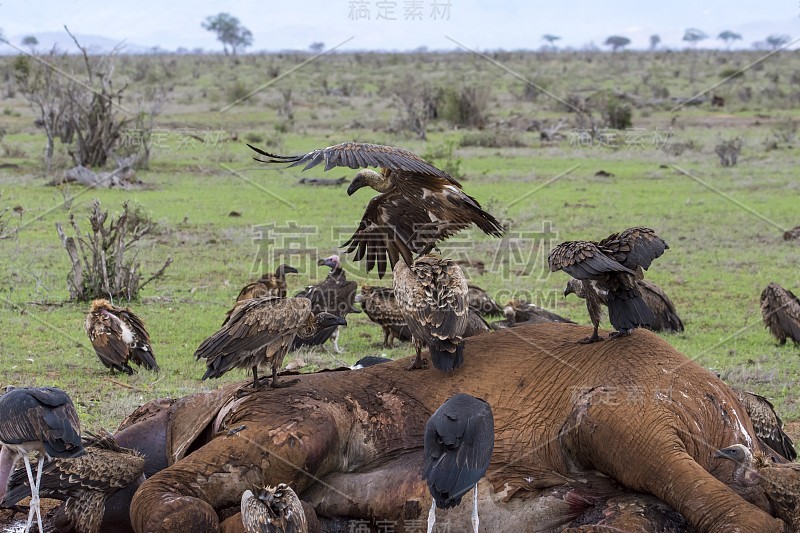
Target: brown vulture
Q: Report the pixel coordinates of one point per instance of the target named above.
(273, 510)
(418, 204)
(480, 301)
(792, 234)
(83, 483)
(613, 265)
(334, 295)
(119, 336)
(260, 331)
(268, 284)
(779, 481)
(432, 295)
(43, 420)
(380, 306)
(459, 441)
(476, 324)
(781, 312)
(767, 423)
(518, 312)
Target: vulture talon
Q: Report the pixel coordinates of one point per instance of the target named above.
(282, 384)
(591, 339)
(618, 334)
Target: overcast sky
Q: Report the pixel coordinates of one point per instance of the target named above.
(294, 24)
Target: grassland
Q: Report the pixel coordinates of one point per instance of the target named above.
(723, 224)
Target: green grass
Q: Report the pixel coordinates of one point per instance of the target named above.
(722, 250)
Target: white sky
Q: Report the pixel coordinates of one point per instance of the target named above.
(482, 24)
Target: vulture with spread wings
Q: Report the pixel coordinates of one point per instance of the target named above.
(613, 265)
(418, 205)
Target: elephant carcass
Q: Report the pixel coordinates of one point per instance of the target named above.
(633, 409)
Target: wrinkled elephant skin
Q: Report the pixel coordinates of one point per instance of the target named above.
(632, 408)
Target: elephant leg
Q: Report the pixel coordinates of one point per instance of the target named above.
(298, 444)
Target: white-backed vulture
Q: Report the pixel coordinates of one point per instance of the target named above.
(518, 312)
(792, 234)
(767, 423)
(459, 440)
(268, 284)
(779, 481)
(83, 483)
(119, 336)
(43, 420)
(334, 295)
(260, 331)
(418, 204)
(432, 295)
(273, 510)
(663, 309)
(380, 306)
(780, 310)
(480, 301)
(614, 264)
(476, 324)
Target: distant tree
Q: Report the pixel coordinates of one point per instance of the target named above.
(229, 32)
(776, 41)
(616, 42)
(551, 39)
(728, 36)
(655, 40)
(30, 41)
(694, 36)
(317, 47)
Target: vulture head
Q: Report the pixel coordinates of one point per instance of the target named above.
(573, 287)
(331, 262)
(282, 270)
(368, 178)
(509, 312)
(326, 320)
(102, 303)
(745, 473)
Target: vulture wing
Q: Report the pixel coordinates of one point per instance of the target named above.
(459, 440)
(767, 423)
(584, 260)
(105, 335)
(141, 351)
(635, 247)
(781, 483)
(381, 307)
(43, 414)
(480, 301)
(667, 318)
(780, 309)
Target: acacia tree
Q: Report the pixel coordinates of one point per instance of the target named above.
(30, 41)
(776, 41)
(616, 42)
(728, 36)
(654, 41)
(230, 32)
(694, 36)
(551, 39)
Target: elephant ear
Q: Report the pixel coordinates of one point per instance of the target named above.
(635, 248)
(584, 260)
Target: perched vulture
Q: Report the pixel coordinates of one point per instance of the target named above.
(459, 440)
(273, 510)
(260, 331)
(418, 204)
(613, 265)
(118, 336)
(663, 309)
(767, 423)
(781, 312)
(520, 311)
(779, 481)
(380, 306)
(369, 360)
(268, 284)
(43, 420)
(480, 301)
(432, 295)
(83, 483)
(336, 296)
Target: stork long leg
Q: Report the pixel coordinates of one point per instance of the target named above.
(432, 516)
(34, 505)
(475, 520)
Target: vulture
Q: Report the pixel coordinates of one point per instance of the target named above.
(85, 482)
(779, 481)
(475, 324)
(520, 311)
(666, 318)
(119, 336)
(767, 423)
(792, 234)
(481, 302)
(781, 312)
(43, 420)
(459, 440)
(432, 296)
(268, 284)
(260, 331)
(273, 510)
(612, 266)
(336, 296)
(369, 360)
(417, 205)
(380, 306)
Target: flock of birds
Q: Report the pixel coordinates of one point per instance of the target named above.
(430, 304)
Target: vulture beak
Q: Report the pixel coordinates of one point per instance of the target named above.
(356, 184)
(326, 262)
(290, 270)
(567, 291)
(340, 321)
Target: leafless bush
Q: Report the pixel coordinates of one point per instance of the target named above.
(728, 152)
(104, 260)
(417, 104)
(467, 106)
(493, 138)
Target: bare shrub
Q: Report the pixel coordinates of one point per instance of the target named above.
(728, 152)
(443, 156)
(416, 103)
(494, 138)
(104, 259)
(467, 106)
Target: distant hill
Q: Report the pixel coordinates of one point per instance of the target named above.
(96, 44)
